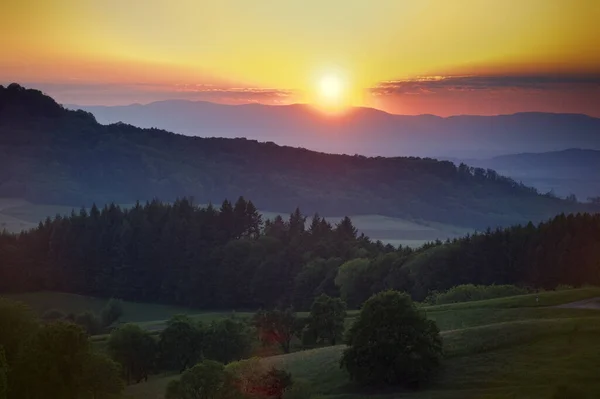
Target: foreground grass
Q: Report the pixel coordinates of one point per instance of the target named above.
(521, 359)
(544, 299)
(536, 369)
(502, 348)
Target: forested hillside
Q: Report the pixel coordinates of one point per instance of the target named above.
(52, 155)
(228, 258)
(566, 173)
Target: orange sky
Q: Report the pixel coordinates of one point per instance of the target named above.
(427, 56)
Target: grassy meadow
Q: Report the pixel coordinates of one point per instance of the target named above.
(17, 215)
(512, 347)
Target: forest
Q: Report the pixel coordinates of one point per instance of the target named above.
(51, 155)
(227, 257)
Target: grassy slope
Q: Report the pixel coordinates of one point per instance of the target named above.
(71, 303)
(17, 215)
(505, 348)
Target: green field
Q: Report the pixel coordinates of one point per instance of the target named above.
(142, 313)
(17, 215)
(512, 347)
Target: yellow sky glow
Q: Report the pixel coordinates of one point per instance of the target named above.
(291, 45)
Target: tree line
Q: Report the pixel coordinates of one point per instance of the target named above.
(179, 253)
(229, 258)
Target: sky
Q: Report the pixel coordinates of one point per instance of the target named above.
(407, 57)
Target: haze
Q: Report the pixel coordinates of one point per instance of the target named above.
(435, 57)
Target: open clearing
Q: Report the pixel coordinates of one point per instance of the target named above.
(17, 215)
(513, 347)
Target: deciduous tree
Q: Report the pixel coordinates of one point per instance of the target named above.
(391, 342)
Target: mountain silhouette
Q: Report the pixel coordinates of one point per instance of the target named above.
(364, 131)
(49, 154)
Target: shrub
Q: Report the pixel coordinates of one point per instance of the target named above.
(244, 377)
(102, 376)
(251, 379)
(392, 343)
(53, 315)
(56, 363)
(90, 322)
(275, 382)
(17, 323)
(206, 380)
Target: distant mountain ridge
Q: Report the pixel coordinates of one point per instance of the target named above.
(364, 131)
(52, 155)
(570, 171)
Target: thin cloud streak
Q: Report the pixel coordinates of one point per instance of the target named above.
(119, 94)
(489, 95)
(432, 84)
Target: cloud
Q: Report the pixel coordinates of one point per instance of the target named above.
(436, 84)
(81, 93)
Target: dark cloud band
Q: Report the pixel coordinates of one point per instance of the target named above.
(434, 84)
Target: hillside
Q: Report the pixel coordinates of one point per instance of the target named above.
(506, 348)
(570, 171)
(52, 155)
(364, 131)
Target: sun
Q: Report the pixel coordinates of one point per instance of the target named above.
(331, 92)
(331, 87)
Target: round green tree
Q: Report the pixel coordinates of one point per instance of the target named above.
(392, 343)
(206, 380)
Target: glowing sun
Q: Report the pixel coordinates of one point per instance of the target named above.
(331, 89)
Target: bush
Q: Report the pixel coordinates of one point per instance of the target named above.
(102, 376)
(17, 323)
(275, 382)
(251, 379)
(58, 362)
(53, 315)
(244, 376)
(471, 292)
(206, 380)
(90, 322)
(392, 343)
